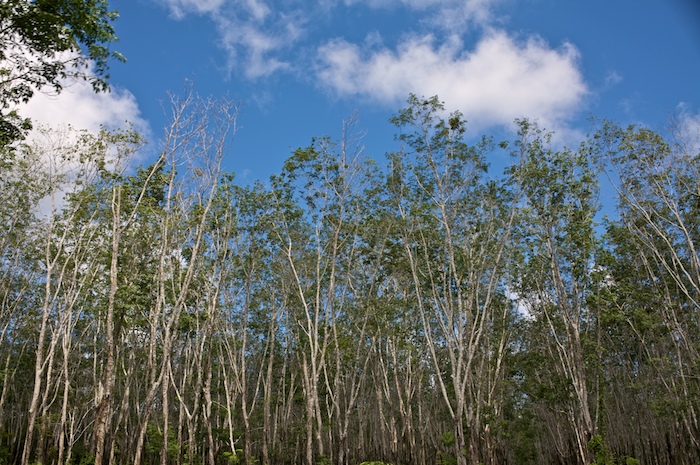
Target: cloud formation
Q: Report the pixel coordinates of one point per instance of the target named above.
(258, 45)
(450, 14)
(256, 33)
(501, 79)
(79, 106)
(181, 8)
(251, 32)
(685, 128)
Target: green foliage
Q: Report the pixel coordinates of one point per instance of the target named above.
(44, 41)
(446, 459)
(87, 459)
(4, 454)
(268, 250)
(154, 442)
(603, 456)
(232, 458)
(12, 128)
(448, 440)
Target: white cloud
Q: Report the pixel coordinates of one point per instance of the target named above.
(256, 33)
(58, 119)
(499, 80)
(258, 47)
(446, 14)
(685, 129)
(181, 8)
(252, 33)
(258, 9)
(79, 106)
(612, 78)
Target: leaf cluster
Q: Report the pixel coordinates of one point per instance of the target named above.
(45, 42)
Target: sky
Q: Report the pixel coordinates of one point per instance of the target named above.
(299, 68)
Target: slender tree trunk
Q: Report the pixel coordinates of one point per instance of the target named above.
(206, 392)
(66, 342)
(39, 364)
(104, 404)
(267, 401)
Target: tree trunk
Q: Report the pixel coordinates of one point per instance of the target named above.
(104, 404)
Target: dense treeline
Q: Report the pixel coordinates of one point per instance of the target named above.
(429, 310)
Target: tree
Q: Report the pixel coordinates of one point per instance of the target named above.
(320, 196)
(343, 313)
(45, 42)
(557, 241)
(66, 245)
(197, 140)
(656, 176)
(453, 226)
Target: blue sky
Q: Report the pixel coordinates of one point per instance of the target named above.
(299, 68)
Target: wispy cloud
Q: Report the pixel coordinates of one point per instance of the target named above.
(685, 128)
(251, 46)
(258, 35)
(181, 8)
(256, 45)
(612, 78)
(471, 10)
(501, 79)
(459, 15)
(258, 9)
(446, 13)
(253, 33)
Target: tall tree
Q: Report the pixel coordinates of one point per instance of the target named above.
(454, 228)
(656, 176)
(197, 140)
(319, 194)
(65, 240)
(557, 236)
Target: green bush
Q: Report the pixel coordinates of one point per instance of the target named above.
(603, 456)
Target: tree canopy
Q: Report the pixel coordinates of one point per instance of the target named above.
(43, 43)
(425, 310)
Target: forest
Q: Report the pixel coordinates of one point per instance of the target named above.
(415, 309)
(426, 306)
